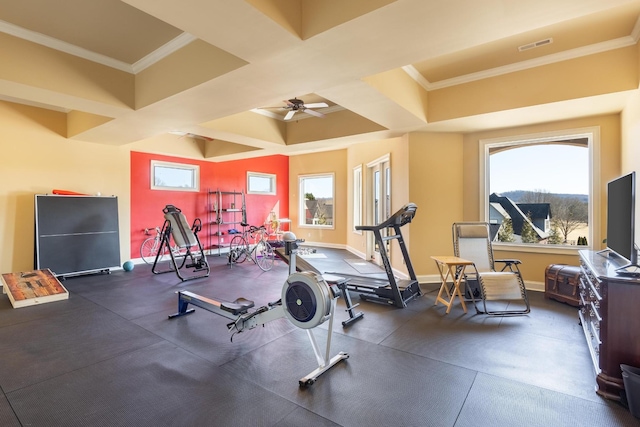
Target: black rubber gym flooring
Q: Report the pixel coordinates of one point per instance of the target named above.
(109, 356)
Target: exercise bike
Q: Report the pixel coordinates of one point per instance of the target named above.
(306, 301)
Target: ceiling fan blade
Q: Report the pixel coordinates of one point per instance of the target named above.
(313, 113)
(317, 105)
(289, 114)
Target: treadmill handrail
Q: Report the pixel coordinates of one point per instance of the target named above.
(403, 216)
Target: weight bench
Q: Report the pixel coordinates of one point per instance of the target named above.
(307, 301)
(185, 239)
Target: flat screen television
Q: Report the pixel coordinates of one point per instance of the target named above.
(621, 206)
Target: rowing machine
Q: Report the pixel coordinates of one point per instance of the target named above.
(289, 255)
(307, 301)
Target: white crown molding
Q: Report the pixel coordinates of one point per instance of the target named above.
(524, 65)
(163, 51)
(635, 33)
(419, 78)
(61, 46)
(33, 104)
(50, 42)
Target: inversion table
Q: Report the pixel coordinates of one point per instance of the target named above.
(187, 252)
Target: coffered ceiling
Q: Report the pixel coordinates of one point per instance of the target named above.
(157, 71)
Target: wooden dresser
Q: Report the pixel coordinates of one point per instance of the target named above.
(610, 317)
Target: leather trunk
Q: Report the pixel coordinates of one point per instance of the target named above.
(562, 283)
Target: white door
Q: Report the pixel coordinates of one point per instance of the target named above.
(379, 209)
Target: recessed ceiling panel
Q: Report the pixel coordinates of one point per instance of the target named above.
(307, 18)
(585, 31)
(108, 27)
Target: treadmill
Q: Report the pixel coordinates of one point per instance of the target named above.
(396, 292)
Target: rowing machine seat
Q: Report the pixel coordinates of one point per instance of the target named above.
(239, 306)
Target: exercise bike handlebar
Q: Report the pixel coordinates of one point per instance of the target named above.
(402, 217)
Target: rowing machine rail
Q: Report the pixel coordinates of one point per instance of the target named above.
(306, 301)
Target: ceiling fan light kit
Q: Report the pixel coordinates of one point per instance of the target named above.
(294, 105)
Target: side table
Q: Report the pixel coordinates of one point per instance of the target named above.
(447, 266)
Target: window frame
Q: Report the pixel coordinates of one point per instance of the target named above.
(194, 186)
(357, 198)
(592, 134)
(302, 204)
(272, 180)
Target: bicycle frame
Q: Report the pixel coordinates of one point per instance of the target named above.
(151, 245)
(260, 252)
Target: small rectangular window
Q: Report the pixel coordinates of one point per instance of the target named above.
(261, 183)
(174, 176)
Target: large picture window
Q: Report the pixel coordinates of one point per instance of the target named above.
(317, 200)
(537, 190)
(174, 176)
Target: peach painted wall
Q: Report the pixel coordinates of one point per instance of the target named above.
(534, 264)
(319, 163)
(36, 158)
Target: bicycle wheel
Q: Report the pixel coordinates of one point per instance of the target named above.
(149, 250)
(238, 249)
(264, 255)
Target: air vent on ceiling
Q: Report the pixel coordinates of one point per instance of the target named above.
(535, 44)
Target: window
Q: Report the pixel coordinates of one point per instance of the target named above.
(261, 183)
(174, 176)
(357, 197)
(537, 190)
(317, 200)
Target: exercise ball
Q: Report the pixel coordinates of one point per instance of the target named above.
(128, 266)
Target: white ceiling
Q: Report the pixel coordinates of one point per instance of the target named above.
(318, 55)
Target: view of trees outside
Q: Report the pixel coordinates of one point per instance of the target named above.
(553, 173)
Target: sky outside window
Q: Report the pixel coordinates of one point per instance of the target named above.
(552, 168)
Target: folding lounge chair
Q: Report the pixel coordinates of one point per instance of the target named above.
(471, 241)
(187, 251)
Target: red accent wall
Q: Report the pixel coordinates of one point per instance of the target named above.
(147, 204)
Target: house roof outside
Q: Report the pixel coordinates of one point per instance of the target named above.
(536, 210)
(518, 215)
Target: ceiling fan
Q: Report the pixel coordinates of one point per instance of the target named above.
(294, 105)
